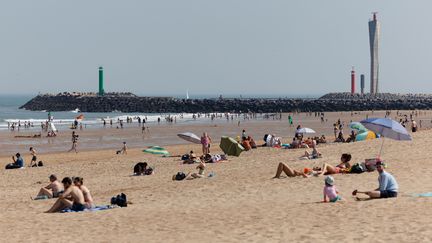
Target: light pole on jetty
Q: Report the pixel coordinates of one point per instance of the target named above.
(101, 82)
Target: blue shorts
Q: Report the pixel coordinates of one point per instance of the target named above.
(337, 198)
(387, 194)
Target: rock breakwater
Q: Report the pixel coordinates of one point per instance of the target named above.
(128, 102)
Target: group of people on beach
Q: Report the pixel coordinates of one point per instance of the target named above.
(70, 193)
(18, 161)
(388, 186)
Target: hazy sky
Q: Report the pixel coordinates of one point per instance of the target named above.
(239, 47)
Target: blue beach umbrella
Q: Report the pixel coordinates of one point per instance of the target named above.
(387, 128)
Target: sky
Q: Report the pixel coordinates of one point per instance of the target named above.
(228, 47)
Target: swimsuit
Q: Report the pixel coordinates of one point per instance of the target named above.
(78, 207)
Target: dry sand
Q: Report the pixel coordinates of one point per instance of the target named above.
(242, 203)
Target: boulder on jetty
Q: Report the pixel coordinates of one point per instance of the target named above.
(128, 102)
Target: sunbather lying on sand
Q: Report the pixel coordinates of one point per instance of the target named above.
(343, 167)
(314, 154)
(307, 172)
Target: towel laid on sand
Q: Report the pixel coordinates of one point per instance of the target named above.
(426, 194)
(97, 208)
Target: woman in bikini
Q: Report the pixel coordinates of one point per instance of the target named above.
(342, 167)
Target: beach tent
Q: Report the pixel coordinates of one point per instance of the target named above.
(367, 135)
(357, 126)
(230, 146)
(156, 150)
(190, 137)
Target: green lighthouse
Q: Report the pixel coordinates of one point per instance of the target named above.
(101, 82)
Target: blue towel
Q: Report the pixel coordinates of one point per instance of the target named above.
(97, 208)
(426, 194)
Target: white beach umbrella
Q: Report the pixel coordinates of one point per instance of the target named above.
(190, 137)
(305, 130)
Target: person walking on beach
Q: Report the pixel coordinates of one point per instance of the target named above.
(34, 158)
(74, 142)
(123, 150)
(388, 187)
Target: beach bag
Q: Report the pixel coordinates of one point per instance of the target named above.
(40, 163)
(185, 157)
(119, 200)
(357, 169)
(180, 176)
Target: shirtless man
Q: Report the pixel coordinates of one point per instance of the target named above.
(78, 181)
(53, 190)
(72, 198)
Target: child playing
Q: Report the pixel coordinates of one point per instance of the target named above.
(330, 190)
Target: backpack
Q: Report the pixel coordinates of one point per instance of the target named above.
(356, 169)
(180, 176)
(119, 200)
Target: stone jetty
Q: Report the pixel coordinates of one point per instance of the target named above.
(128, 102)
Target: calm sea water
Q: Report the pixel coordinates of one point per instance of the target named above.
(10, 112)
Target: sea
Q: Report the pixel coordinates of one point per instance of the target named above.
(10, 113)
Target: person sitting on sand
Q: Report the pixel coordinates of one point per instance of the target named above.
(200, 174)
(53, 190)
(342, 167)
(191, 159)
(72, 198)
(141, 169)
(330, 192)
(388, 187)
(88, 199)
(314, 154)
(18, 162)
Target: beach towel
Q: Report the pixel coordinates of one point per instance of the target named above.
(97, 208)
(426, 194)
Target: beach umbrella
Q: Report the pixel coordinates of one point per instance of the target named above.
(156, 150)
(190, 137)
(357, 126)
(387, 128)
(305, 130)
(367, 135)
(230, 146)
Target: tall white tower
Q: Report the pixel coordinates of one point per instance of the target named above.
(374, 33)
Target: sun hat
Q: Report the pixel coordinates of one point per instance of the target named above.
(329, 180)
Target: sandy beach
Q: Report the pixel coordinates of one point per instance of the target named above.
(241, 203)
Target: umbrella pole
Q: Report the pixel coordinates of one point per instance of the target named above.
(382, 144)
